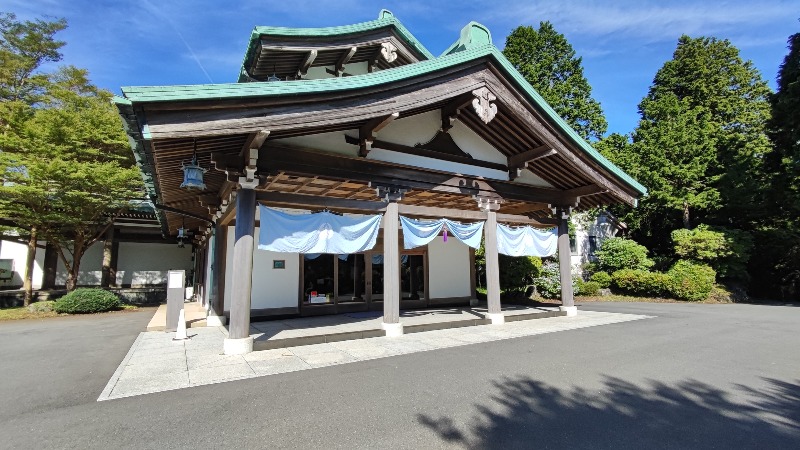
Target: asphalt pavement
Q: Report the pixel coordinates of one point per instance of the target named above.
(695, 376)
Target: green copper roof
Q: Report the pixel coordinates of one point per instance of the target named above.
(385, 19)
(473, 44)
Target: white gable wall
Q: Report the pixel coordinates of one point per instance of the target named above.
(414, 130)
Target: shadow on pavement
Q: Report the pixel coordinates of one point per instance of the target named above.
(526, 413)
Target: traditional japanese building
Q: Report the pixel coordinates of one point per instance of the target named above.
(356, 122)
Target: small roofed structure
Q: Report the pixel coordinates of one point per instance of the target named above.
(362, 119)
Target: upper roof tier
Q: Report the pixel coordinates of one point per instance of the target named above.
(279, 53)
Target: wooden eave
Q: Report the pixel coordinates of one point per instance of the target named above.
(224, 126)
(284, 56)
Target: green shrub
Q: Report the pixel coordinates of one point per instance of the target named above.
(548, 283)
(587, 288)
(517, 273)
(640, 282)
(87, 300)
(620, 253)
(725, 250)
(603, 279)
(43, 306)
(691, 281)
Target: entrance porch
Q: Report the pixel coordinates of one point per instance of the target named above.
(297, 332)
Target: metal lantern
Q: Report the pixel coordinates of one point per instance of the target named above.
(193, 175)
(181, 237)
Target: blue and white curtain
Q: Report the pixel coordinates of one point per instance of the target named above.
(317, 233)
(526, 241)
(420, 232)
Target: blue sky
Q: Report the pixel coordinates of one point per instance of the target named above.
(623, 43)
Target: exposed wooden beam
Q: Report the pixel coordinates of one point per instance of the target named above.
(309, 59)
(582, 191)
(315, 201)
(366, 134)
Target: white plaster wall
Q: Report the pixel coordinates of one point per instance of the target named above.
(448, 269)
(90, 270)
(140, 264)
(315, 73)
(272, 288)
(18, 252)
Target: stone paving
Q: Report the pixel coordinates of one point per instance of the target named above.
(156, 363)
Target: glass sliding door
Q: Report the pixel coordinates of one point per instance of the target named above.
(352, 285)
(318, 279)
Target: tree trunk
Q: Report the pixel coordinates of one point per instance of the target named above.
(28, 281)
(73, 269)
(686, 222)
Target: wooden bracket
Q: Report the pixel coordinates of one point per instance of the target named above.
(339, 68)
(309, 59)
(452, 110)
(519, 161)
(366, 134)
(389, 193)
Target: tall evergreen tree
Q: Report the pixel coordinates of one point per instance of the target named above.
(701, 142)
(548, 62)
(785, 133)
(64, 159)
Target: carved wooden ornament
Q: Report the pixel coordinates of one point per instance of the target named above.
(388, 52)
(482, 103)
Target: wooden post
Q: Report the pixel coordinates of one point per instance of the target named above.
(495, 312)
(239, 328)
(220, 257)
(564, 263)
(391, 271)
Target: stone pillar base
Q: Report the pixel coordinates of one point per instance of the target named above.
(497, 319)
(238, 346)
(571, 310)
(392, 329)
(216, 321)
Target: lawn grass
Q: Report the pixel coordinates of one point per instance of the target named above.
(21, 313)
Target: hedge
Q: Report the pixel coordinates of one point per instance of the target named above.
(87, 300)
(641, 282)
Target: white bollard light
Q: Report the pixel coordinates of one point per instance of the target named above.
(180, 333)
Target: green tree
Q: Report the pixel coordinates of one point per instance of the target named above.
(784, 162)
(548, 62)
(700, 144)
(63, 154)
(725, 250)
